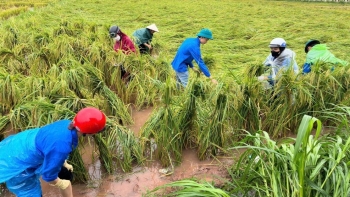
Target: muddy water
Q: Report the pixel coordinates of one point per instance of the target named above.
(142, 179)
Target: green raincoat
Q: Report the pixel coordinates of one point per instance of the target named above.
(320, 53)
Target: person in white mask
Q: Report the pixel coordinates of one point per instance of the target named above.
(122, 41)
(124, 44)
(280, 58)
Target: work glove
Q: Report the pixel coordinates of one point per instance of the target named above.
(62, 184)
(68, 166)
(261, 78)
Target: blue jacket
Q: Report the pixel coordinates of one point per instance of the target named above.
(187, 52)
(42, 149)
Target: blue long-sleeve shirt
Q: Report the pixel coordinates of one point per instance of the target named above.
(187, 52)
(55, 141)
(42, 150)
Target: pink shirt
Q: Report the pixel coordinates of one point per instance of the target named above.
(125, 44)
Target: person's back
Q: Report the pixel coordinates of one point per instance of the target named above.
(319, 53)
(142, 35)
(143, 38)
(35, 152)
(187, 52)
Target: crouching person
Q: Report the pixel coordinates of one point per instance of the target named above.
(319, 53)
(280, 59)
(32, 153)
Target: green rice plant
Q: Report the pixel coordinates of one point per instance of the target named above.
(74, 75)
(340, 73)
(64, 29)
(32, 114)
(249, 109)
(96, 56)
(60, 48)
(163, 129)
(327, 87)
(211, 139)
(114, 104)
(288, 101)
(337, 119)
(146, 72)
(305, 166)
(5, 14)
(80, 172)
(189, 188)
(10, 37)
(9, 91)
(188, 113)
(128, 149)
(33, 87)
(4, 121)
(42, 39)
(40, 63)
(6, 54)
(73, 103)
(302, 149)
(105, 152)
(13, 60)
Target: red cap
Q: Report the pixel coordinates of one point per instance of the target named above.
(89, 120)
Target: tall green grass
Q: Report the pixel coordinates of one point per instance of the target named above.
(308, 165)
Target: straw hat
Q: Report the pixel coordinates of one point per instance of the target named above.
(153, 27)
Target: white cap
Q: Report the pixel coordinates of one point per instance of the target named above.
(278, 42)
(153, 27)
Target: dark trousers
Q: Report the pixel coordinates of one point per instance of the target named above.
(143, 49)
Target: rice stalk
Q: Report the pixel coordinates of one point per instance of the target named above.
(105, 152)
(10, 37)
(212, 138)
(190, 187)
(115, 106)
(4, 121)
(9, 91)
(162, 127)
(188, 114)
(80, 172)
(128, 149)
(32, 114)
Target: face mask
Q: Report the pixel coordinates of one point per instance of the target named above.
(117, 38)
(275, 54)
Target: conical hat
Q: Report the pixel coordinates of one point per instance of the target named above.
(153, 27)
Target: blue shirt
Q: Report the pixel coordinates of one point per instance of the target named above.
(187, 52)
(42, 150)
(55, 142)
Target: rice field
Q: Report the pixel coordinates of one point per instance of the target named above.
(56, 57)
(9, 8)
